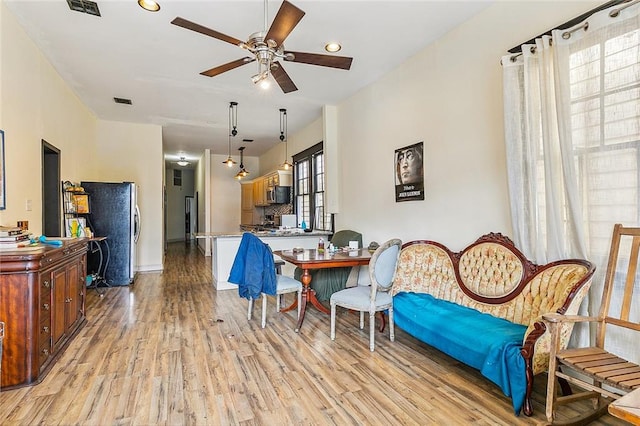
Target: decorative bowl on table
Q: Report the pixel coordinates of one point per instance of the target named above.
(373, 246)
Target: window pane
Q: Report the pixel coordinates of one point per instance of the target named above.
(309, 187)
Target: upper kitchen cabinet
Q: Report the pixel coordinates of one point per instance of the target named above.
(259, 192)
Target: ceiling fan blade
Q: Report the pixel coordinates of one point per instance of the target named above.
(228, 66)
(282, 78)
(181, 22)
(285, 21)
(342, 62)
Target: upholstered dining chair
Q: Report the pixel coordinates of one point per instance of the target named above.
(373, 298)
(254, 270)
(327, 281)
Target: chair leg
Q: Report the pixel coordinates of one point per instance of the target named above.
(551, 388)
(299, 302)
(392, 331)
(361, 320)
(278, 298)
(264, 310)
(250, 309)
(333, 321)
(372, 330)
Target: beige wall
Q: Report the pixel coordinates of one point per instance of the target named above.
(226, 192)
(36, 104)
(449, 95)
(133, 152)
(175, 207)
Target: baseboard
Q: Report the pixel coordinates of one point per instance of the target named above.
(150, 268)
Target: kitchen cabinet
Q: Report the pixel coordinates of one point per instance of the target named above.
(279, 178)
(260, 192)
(43, 307)
(247, 203)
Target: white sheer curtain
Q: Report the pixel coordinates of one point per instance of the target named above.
(572, 130)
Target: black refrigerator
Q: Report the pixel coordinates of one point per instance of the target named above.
(114, 214)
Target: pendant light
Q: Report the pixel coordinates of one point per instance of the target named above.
(233, 130)
(243, 172)
(283, 137)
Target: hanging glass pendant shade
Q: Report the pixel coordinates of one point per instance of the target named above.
(242, 172)
(233, 130)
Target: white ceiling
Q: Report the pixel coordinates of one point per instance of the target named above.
(130, 53)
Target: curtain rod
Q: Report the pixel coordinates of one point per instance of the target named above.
(575, 21)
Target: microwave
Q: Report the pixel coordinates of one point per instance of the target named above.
(279, 195)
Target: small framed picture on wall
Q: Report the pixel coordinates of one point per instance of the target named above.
(409, 172)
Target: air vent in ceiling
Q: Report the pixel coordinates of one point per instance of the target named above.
(84, 6)
(122, 101)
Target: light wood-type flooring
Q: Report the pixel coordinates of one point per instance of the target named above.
(171, 350)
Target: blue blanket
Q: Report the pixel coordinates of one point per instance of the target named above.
(489, 344)
(253, 268)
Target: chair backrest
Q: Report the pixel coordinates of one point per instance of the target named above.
(253, 268)
(382, 266)
(342, 238)
(618, 306)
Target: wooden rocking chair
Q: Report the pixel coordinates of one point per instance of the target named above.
(601, 375)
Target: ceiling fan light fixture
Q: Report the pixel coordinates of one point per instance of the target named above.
(265, 84)
(259, 77)
(332, 47)
(182, 162)
(149, 5)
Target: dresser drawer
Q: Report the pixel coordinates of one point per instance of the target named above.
(44, 346)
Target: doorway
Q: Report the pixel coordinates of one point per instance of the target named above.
(51, 191)
(190, 215)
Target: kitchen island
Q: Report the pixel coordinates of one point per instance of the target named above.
(224, 247)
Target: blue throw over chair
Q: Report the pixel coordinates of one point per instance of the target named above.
(254, 271)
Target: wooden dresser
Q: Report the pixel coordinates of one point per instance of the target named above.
(42, 303)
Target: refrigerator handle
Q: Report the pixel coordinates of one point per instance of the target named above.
(136, 225)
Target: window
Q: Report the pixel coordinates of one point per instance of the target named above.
(309, 188)
(177, 177)
(605, 129)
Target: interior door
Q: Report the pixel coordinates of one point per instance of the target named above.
(51, 191)
(189, 218)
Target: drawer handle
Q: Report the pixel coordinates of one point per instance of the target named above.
(46, 284)
(49, 259)
(68, 300)
(45, 329)
(45, 351)
(45, 306)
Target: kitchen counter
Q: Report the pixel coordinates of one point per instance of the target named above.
(225, 246)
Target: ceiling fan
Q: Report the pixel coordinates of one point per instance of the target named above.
(267, 46)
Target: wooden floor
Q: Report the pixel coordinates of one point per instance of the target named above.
(171, 350)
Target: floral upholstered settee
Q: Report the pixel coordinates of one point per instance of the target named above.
(484, 306)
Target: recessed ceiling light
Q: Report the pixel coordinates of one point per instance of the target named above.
(149, 5)
(332, 47)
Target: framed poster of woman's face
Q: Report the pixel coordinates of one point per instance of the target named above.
(409, 172)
